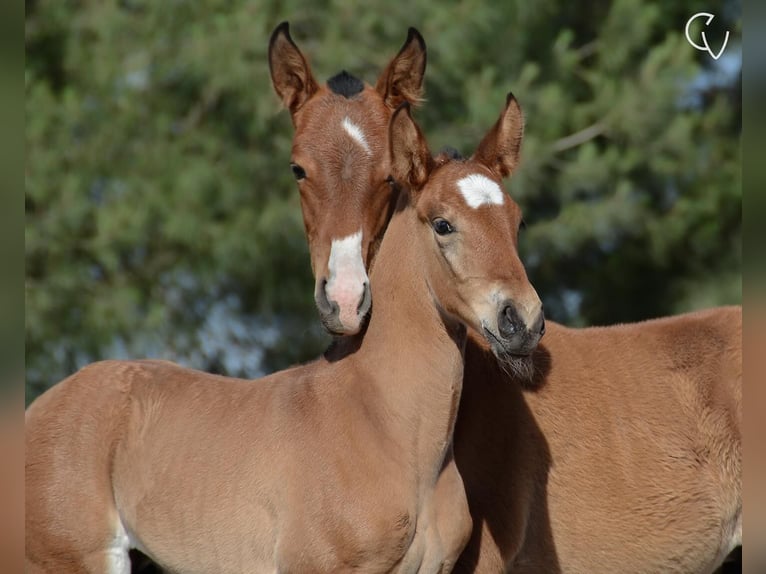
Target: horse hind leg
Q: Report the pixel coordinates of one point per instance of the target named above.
(117, 556)
(110, 557)
(72, 524)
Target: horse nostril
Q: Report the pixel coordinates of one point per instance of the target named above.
(508, 321)
(364, 304)
(542, 325)
(323, 303)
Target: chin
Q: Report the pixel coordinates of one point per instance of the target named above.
(520, 367)
(517, 366)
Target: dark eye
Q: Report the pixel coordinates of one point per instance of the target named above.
(298, 171)
(522, 225)
(442, 226)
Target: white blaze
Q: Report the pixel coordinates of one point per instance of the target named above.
(356, 133)
(347, 277)
(479, 190)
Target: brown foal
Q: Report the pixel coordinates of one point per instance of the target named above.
(328, 467)
(612, 449)
(340, 161)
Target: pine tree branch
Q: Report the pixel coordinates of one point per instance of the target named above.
(579, 138)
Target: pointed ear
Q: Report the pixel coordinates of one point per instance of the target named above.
(411, 160)
(402, 80)
(290, 72)
(500, 148)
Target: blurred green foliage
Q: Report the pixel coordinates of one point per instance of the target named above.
(11, 200)
(162, 218)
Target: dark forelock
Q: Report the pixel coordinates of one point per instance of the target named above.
(344, 84)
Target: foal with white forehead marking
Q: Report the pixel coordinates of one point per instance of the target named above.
(479, 190)
(613, 449)
(340, 161)
(327, 467)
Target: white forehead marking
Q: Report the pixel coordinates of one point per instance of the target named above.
(356, 133)
(479, 190)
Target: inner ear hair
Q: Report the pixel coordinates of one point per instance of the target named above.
(501, 147)
(402, 80)
(411, 160)
(290, 72)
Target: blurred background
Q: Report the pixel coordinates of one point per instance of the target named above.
(162, 219)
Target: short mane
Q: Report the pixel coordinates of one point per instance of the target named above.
(450, 153)
(344, 84)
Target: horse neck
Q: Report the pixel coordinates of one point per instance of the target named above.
(414, 353)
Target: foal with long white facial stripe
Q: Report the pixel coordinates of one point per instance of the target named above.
(340, 162)
(328, 467)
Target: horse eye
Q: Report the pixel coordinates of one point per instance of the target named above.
(442, 226)
(522, 225)
(298, 171)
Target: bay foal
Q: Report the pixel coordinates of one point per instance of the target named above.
(323, 468)
(612, 449)
(340, 160)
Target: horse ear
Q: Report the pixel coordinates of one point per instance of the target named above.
(402, 80)
(500, 148)
(290, 72)
(411, 160)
